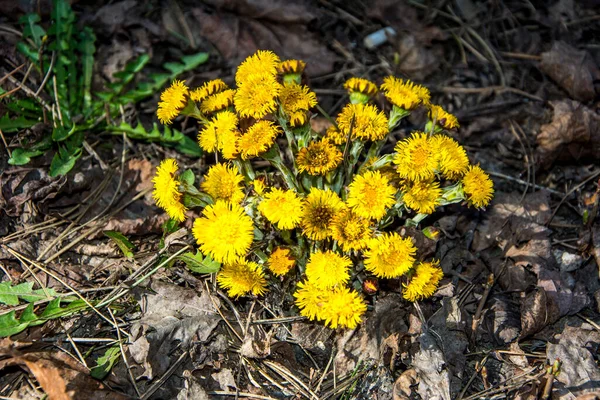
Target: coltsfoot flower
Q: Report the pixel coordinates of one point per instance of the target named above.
(442, 117)
(370, 195)
(217, 102)
(404, 94)
(424, 282)
(257, 96)
(451, 157)
(172, 101)
(311, 299)
(360, 90)
(319, 208)
(364, 121)
(241, 277)
(166, 189)
(257, 139)
(208, 89)
(343, 308)
(350, 231)
(282, 207)
(225, 232)
(261, 63)
(218, 131)
(222, 182)
(327, 269)
(390, 255)
(415, 158)
(478, 187)
(318, 158)
(280, 261)
(423, 196)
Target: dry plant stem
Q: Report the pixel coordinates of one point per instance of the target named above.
(60, 118)
(5, 144)
(324, 374)
(221, 314)
(47, 76)
(24, 260)
(589, 321)
(238, 318)
(268, 377)
(93, 153)
(495, 89)
(526, 156)
(522, 182)
(30, 93)
(165, 376)
(120, 341)
(293, 379)
(243, 395)
(573, 190)
(21, 84)
(501, 386)
(11, 73)
(548, 386)
(81, 359)
(472, 378)
(488, 288)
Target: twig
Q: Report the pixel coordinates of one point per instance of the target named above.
(522, 182)
(164, 378)
(495, 89)
(570, 192)
(5, 144)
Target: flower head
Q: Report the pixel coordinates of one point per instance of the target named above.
(415, 158)
(298, 118)
(311, 299)
(478, 187)
(225, 232)
(390, 255)
(344, 308)
(263, 62)
(173, 100)
(360, 90)
(404, 94)
(257, 96)
(318, 158)
(291, 67)
(335, 136)
(370, 195)
(222, 182)
(320, 206)
(242, 277)
(351, 231)
(327, 269)
(283, 208)
(259, 186)
(294, 97)
(442, 118)
(257, 139)
(424, 282)
(216, 132)
(365, 122)
(451, 157)
(217, 102)
(166, 189)
(280, 261)
(422, 196)
(208, 89)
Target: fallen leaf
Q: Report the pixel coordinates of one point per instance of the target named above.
(430, 365)
(574, 70)
(537, 310)
(257, 343)
(573, 134)
(19, 185)
(238, 29)
(403, 385)
(501, 318)
(576, 350)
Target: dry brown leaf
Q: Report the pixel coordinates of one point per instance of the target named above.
(574, 70)
(573, 134)
(257, 343)
(537, 310)
(402, 386)
(19, 185)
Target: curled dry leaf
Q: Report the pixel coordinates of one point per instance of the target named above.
(573, 134)
(404, 383)
(573, 70)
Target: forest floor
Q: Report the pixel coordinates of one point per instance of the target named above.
(521, 291)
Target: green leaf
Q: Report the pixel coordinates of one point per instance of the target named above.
(10, 325)
(194, 60)
(10, 295)
(53, 310)
(28, 52)
(31, 29)
(188, 177)
(61, 133)
(199, 264)
(64, 160)
(8, 125)
(140, 133)
(189, 147)
(124, 244)
(87, 49)
(106, 362)
(22, 156)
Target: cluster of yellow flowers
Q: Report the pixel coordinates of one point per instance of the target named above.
(321, 205)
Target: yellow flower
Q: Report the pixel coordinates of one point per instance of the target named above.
(257, 139)
(223, 183)
(442, 118)
(218, 128)
(259, 186)
(166, 190)
(478, 187)
(257, 97)
(280, 261)
(228, 144)
(208, 89)
(318, 158)
(365, 121)
(390, 255)
(424, 282)
(311, 299)
(351, 231)
(294, 97)
(217, 102)
(173, 100)
(242, 277)
(320, 206)
(422, 196)
(360, 90)
(404, 94)
(370, 194)
(263, 62)
(451, 157)
(335, 136)
(328, 269)
(415, 158)
(283, 208)
(344, 308)
(225, 232)
(291, 67)
(298, 118)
